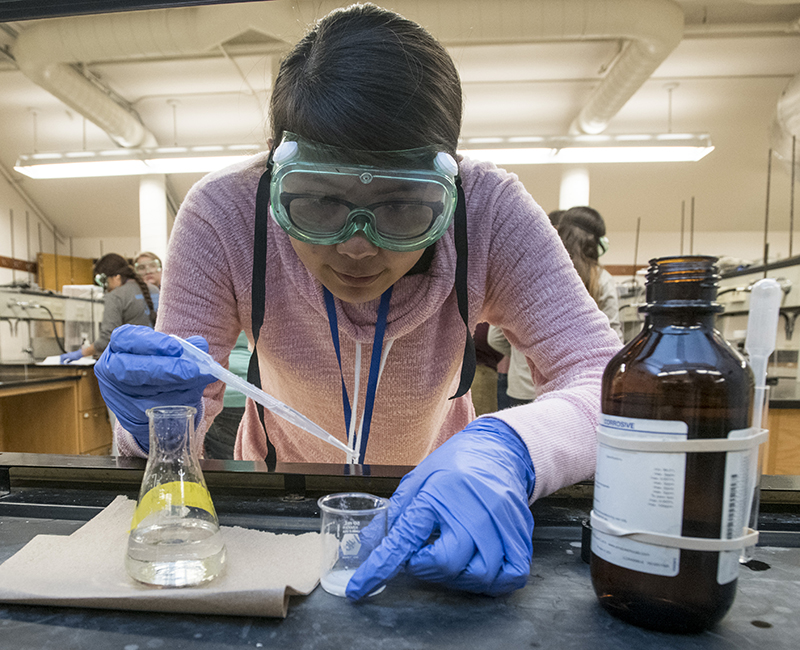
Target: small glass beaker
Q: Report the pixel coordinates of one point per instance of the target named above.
(353, 524)
(175, 539)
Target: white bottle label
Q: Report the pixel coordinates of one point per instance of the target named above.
(643, 492)
(740, 475)
(639, 491)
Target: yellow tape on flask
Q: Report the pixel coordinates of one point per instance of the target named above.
(186, 493)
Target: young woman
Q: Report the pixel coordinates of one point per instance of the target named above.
(583, 232)
(357, 256)
(128, 300)
(148, 265)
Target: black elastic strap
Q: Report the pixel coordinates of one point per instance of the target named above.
(258, 295)
(460, 232)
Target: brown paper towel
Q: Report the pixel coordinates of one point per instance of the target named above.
(87, 569)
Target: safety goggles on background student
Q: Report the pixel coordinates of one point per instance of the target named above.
(147, 267)
(399, 200)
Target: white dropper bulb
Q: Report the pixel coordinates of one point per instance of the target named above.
(762, 330)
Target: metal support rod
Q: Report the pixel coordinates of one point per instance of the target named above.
(791, 194)
(691, 230)
(13, 256)
(636, 249)
(766, 213)
(28, 244)
(683, 222)
(55, 259)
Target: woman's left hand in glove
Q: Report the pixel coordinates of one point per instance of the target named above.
(473, 491)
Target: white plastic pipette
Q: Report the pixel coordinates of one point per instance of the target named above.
(762, 330)
(207, 363)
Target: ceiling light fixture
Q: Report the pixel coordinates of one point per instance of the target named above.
(518, 150)
(584, 149)
(132, 162)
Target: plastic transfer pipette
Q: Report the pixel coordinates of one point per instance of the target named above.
(762, 330)
(207, 363)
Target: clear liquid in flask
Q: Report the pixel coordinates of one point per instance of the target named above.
(175, 552)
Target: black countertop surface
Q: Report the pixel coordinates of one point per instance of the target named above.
(22, 375)
(557, 609)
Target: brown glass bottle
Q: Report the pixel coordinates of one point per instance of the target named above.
(679, 368)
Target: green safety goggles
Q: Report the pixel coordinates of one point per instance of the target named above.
(101, 280)
(147, 267)
(399, 200)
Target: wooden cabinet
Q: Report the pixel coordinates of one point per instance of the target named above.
(55, 411)
(93, 422)
(781, 454)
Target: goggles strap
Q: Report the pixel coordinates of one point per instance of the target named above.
(375, 366)
(460, 235)
(258, 295)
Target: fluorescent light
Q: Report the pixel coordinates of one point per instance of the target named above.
(516, 150)
(516, 156)
(132, 162)
(485, 140)
(630, 154)
(84, 169)
(585, 149)
(190, 165)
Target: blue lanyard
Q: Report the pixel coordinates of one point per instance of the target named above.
(374, 364)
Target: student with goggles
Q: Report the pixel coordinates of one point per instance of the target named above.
(357, 256)
(127, 300)
(583, 232)
(148, 266)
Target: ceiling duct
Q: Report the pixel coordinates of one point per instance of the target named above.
(47, 51)
(651, 30)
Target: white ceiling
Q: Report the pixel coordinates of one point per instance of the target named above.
(734, 61)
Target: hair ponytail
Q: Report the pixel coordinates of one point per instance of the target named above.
(145, 292)
(580, 229)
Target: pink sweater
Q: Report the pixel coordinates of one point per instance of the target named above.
(520, 278)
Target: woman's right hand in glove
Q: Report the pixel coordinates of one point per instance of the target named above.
(142, 368)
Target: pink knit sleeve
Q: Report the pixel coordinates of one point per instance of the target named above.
(534, 293)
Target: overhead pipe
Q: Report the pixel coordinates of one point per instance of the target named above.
(652, 29)
(47, 51)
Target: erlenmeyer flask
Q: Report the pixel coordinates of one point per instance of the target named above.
(175, 539)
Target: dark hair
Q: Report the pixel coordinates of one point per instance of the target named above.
(555, 215)
(114, 264)
(367, 78)
(581, 228)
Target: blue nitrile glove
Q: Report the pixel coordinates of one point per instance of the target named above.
(68, 357)
(142, 368)
(474, 491)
